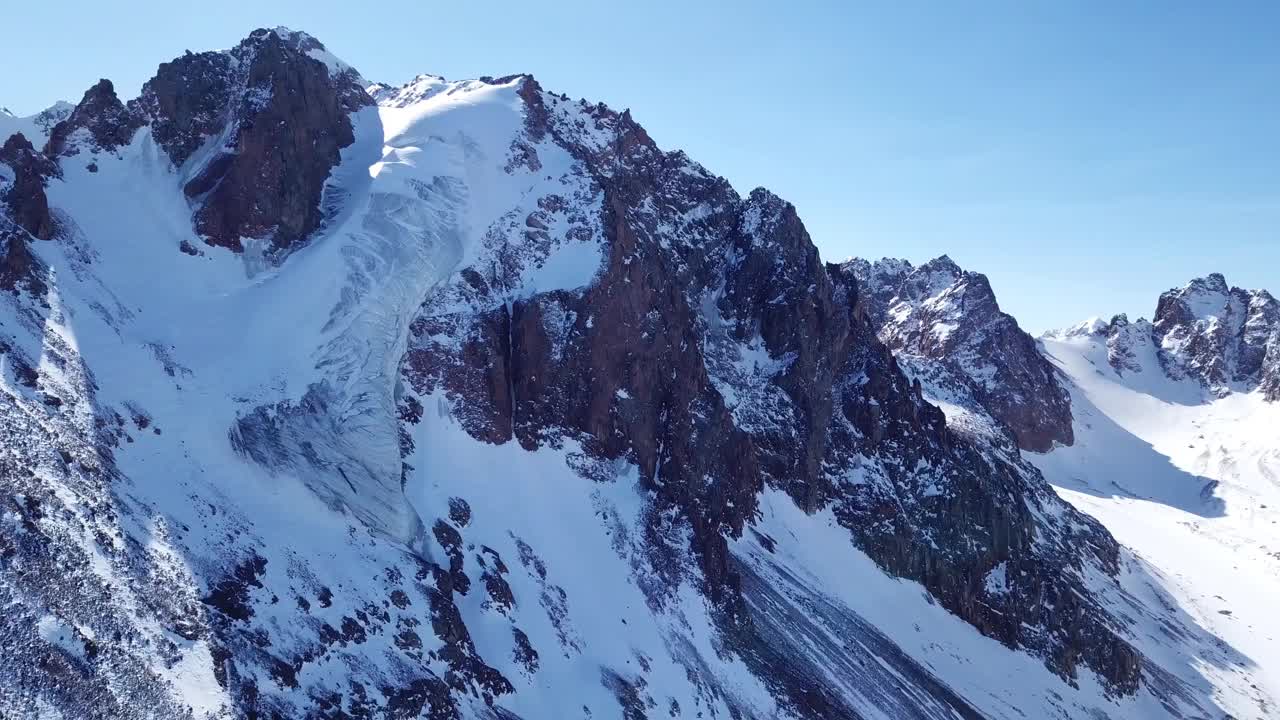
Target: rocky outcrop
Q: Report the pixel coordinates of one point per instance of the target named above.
(1127, 343)
(187, 102)
(941, 312)
(99, 122)
(1224, 337)
(19, 268)
(24, 213)
(617, 365)
(915, 524)
(257, 130)
(1269, 384)
(23, 191)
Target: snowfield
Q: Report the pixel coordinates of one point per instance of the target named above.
(1191, 484)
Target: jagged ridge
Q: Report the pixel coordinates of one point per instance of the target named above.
(948, 315)
(558, 287)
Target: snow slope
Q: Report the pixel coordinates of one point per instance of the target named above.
(1191, 483)
(299, 362)
(35, 128)
(1182, 475)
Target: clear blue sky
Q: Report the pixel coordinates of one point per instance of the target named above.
(1085, 155)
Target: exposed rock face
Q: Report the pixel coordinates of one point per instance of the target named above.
(1223, 336)
(23, 191)
(99, 121)
(715, 351)
(1256, 357)
(553, 365)
(268, 120)
(187, 102)
(18, 266)
(980, 481)
(1127, 342)
(941, 312)
(24, 213)
(1269, 383)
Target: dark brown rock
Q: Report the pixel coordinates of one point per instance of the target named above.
(283, 118)
(24, 214)
(19, 268)
(230, 596)
(187, 101)
(459, 512)
(108, 123)
(949, 529)
(524, 652)
(25, 199)
(949, 315)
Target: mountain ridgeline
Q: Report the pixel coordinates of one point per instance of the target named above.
(307, 426)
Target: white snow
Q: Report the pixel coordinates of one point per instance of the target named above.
(585, 536)
(996, 581)
(742, 371)
(35, 127)
(1000, 683)
(1192, 485)
(568, 267)
(425, 182)
(57, 632)
(1092, 326)
(167, 332)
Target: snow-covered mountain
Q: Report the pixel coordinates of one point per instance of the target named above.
(1177, 454)
(331, 399)
(35, 128)
(1172, 444)
(945, 320)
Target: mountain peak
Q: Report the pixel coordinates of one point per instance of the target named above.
(300, 39)
(1220, 335)
(293, 39)
(307, 45)
(35, 128)
(106, 120)
(1092, 326)
(1215, 282)
(425, 86)
(943, 263)
(16, 143)
(942, 312)
(22, 195)
(1205, 286)
(264, 120)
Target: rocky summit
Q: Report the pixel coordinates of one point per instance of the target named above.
(950, 317)
(324, 398)
(1224, 337)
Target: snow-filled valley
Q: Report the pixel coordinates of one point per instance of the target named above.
(533, 419)
(1191, 483)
